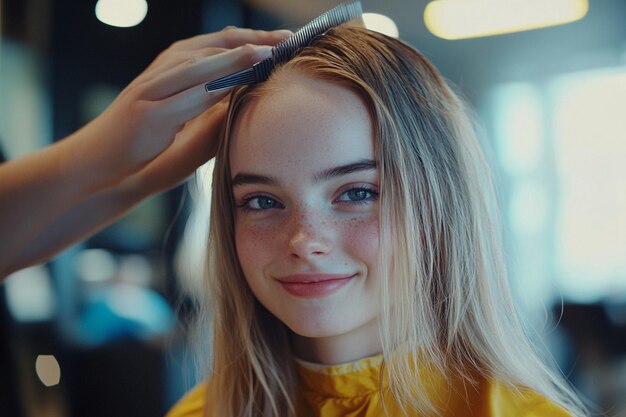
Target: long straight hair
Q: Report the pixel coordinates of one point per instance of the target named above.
(445, 293)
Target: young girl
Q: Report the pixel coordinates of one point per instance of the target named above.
(355, 262)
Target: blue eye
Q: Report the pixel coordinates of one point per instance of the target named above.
(358, 195)
(260, 203)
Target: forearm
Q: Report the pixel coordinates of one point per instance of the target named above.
(37, 189)
(76, 224)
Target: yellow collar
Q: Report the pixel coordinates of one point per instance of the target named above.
(346, 380)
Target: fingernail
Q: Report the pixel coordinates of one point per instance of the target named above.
(264, 51)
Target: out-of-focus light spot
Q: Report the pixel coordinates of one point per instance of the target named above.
(204, 180)
(121, 13)
(95, 100)
(141, 305)
(460, 19)
(29, 295)
(380, 23)
(519, 128)
(135, 269)
(191, 253)
(590, 150)
(48, 370)
(95, 265)
(528, 209)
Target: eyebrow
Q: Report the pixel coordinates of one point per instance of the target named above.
(361, 165)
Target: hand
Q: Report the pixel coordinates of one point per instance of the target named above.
(155, 134)
(146, 117)
(194, 145)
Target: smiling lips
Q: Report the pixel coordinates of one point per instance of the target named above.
(314, 285)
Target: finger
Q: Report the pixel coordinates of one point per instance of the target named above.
(203, 70)
(172, 58)
(207, 45)
(232, 37)
(186, 105)
(175, 59)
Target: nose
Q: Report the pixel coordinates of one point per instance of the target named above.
(310, 235)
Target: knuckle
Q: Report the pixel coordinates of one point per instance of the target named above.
(143, 111)
(229, 31)
(228, 36)
(249, 54)
(175, 45)
(248, 49)
(134, 94)
(139, 110)
(242, 57)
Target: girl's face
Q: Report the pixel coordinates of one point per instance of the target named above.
(305, 184)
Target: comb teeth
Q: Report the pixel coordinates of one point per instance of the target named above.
(247, 76)
(288, 48)
(303, 37)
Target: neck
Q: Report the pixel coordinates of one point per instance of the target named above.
(359, 343)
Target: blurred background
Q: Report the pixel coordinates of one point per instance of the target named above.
(101, 329)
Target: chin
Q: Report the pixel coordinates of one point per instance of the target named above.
(327, 327)
(314, 333)
(315, 330)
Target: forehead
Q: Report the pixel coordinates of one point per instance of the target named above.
(304, 124)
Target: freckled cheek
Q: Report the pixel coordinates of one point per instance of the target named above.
(360, 238)
(254, 244)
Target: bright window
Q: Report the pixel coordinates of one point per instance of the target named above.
(562, 155)
(590, 156)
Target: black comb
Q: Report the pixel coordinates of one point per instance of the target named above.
(288, 48)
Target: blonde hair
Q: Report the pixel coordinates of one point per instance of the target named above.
(439, 218)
